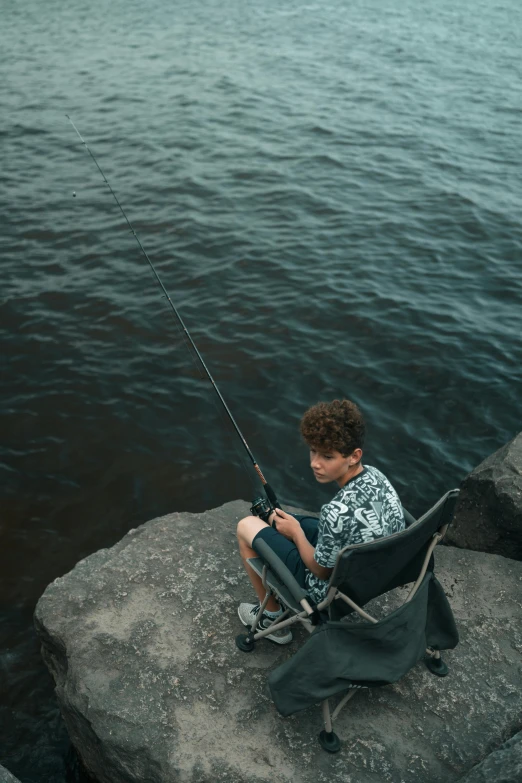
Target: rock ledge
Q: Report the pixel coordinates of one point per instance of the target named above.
(488, 516)
(6, 777)
(140, 641)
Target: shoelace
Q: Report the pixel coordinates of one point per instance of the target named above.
(264, 619)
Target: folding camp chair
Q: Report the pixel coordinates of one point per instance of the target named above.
(348, 653)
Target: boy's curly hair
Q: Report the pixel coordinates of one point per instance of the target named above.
(335, 425)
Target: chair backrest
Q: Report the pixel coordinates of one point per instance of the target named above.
(365, 571)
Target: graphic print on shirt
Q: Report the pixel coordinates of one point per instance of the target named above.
(369, 524)
(334, 513)
(366, 508)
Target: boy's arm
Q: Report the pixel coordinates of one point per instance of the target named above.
(290, 528)
(307, 551)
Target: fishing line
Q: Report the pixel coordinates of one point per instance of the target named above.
(266, 486)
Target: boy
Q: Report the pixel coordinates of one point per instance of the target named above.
(365, 507)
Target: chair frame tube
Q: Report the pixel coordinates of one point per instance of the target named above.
(436, 538)
(327, 716)
(346, 698)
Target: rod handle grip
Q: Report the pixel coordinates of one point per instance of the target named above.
(271, 495)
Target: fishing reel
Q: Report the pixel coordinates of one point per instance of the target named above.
(261, 508)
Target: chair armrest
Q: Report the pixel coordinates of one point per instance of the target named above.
(280, 570)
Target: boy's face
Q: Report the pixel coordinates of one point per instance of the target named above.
(332, 466)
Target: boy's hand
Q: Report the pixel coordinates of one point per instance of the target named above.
(285, 523)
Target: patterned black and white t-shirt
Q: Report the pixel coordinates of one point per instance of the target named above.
(367, 507)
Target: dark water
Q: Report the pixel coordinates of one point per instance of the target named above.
(331, 194)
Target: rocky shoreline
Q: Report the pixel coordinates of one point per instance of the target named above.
(6, 777)
(140, 641)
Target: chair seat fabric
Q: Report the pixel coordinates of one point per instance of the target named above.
(341, 654)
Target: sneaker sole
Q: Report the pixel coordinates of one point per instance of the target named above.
(275, 640)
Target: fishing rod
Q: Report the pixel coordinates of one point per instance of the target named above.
(259, 505)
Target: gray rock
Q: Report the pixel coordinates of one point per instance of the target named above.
(488, 516)
(502, 766)
(140, 641)
(6, 777)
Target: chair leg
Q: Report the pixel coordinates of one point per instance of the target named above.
(435, 664)
(245, 641)
(260, 613)
(328, 739)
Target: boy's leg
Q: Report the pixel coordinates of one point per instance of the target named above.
(310, 527)
(247, 529)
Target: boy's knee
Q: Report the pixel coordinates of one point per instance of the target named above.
(243, 526)
(247, 530)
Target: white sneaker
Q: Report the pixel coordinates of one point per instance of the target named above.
(247, 614)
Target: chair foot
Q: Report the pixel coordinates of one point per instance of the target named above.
(436, 666)
(329, 741)
(245, 642)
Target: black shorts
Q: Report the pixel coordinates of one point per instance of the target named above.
(287, 550)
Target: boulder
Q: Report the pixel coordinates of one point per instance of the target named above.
(488, 516)
(6, 777)
(502, 766)
(140, 641)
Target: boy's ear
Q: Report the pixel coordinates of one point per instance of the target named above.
(355, 456)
